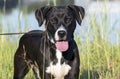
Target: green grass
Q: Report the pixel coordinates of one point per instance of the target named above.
(6, 60)
(99, 60)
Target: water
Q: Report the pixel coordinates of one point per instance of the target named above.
(19, 20)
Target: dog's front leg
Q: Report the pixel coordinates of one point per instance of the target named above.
(74, 72)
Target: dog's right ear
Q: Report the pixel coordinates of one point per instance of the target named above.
(41, 13)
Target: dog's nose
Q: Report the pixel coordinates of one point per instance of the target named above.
(61, 33)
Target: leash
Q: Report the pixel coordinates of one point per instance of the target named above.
(19, 33)
(12, 33)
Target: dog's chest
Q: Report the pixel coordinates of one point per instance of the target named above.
(58, 70)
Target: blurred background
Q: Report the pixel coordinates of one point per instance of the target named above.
(98, 37)
(18, 16)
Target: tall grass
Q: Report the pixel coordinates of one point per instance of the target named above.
(2, 29)
(99, 58)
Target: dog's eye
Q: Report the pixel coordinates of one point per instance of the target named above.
(67, 20)
(53, 21)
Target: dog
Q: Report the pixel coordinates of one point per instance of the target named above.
(53, 53)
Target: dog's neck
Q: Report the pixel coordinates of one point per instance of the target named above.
(69, 55)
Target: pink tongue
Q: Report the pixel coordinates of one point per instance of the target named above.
(62, 46)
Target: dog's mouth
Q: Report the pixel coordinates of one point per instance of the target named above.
(62, 45)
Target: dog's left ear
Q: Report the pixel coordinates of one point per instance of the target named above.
(78, 11)
(41, 13)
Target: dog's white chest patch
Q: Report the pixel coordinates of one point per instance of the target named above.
(58, 70)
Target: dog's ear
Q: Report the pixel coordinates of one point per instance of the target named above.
(41, 13)
(78, 11)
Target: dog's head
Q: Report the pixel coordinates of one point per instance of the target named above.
(60, 22)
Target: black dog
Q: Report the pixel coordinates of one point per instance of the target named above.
(53, 53)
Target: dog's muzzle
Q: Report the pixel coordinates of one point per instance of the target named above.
(62, 35)
(61, 39)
